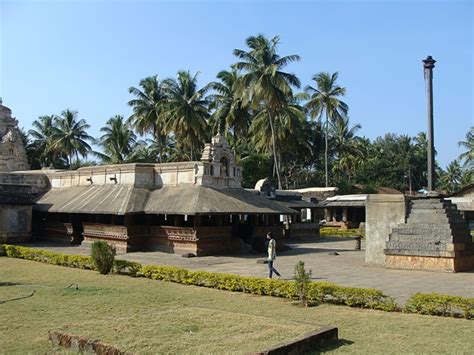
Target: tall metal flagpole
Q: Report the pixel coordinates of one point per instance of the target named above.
(428, 65)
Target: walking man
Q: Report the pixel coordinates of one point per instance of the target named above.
(271, 255)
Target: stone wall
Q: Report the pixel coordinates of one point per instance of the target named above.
(15, 223)
(304, 230)
(17, 193)
(383, 212)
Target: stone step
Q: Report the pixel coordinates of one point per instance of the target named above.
(435, 208)
(410, 238)
(460, 237)
(435, 253)
(434, 211)
(416, 246)
(437, 219)
(432, 201)
(433, 227)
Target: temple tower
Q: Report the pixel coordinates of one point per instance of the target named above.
(12, 152)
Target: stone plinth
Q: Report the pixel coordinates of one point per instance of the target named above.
(435, 237)
(200, 241)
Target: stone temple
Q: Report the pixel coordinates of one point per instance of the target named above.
(196, 207)
(12, 152)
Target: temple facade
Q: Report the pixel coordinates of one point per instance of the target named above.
(194, 207)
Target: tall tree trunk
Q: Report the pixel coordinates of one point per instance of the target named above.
(275, 160)
(158, 141)
(326, 150)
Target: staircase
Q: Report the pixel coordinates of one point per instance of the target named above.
(434, 237)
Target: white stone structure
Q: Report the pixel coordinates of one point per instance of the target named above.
(12, 152)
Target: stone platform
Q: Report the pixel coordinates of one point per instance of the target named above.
(435, 237)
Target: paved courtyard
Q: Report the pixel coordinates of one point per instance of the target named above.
(347, 268)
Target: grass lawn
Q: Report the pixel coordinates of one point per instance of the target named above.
(141, 315)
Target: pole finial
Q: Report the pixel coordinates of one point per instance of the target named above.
(429, 62)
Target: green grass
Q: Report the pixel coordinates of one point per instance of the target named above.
(146, 316)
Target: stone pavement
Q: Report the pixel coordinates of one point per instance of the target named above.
(346, 269)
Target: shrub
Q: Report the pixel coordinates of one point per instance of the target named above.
(440, 305)
(124, 267)
(103, 255)
(336, 232)
(49, 257)
(302, 280)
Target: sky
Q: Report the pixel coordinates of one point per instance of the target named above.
(84, 55)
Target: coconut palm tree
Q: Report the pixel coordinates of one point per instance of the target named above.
(144, 152)
(324, 101)
(41, 142)
(346, 145)
(451, 178)
(230, 117)
(186, 110)
(468, 144)
(289, 126)
(69, 136)
(147, 114)
(117, 141)
(264, 85)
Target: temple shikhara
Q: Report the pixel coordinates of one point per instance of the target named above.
(196, 207)
(12, 151)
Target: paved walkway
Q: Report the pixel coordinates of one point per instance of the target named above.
(347, 268)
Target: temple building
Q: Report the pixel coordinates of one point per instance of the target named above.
(17, 192)
(194, 207)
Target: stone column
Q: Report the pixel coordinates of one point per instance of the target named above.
(328, 214)
(344, 214)
(428, 65)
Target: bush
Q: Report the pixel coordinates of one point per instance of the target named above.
(103, 256)
(302, 280)
(49, 257)
(124, 267)
(336, 232)
(440, 305)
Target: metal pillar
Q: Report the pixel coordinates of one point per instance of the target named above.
(428, 65)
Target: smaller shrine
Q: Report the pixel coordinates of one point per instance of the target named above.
(12, 152)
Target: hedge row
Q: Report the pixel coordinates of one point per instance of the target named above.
(440, 305)
(75, 261)
(336, 232)
(318, 291)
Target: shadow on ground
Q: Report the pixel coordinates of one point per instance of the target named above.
(333, 345)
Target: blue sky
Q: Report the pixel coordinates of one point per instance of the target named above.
(84, 55)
